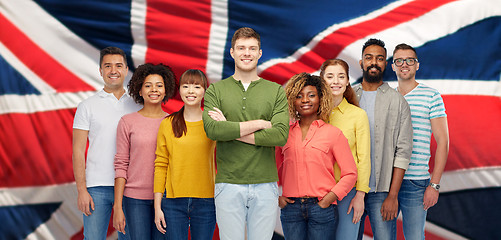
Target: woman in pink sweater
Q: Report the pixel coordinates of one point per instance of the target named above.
(151, 85)
(306, 163)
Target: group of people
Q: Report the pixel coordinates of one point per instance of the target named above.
(340, 153)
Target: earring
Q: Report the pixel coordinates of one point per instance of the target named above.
(297, 115)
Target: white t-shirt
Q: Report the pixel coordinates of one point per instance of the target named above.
(99, 114)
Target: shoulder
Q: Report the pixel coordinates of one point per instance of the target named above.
(329, 129)
(130, 116)
(222, 83)
(428, 90)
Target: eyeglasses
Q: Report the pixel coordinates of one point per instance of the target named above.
(400, 61)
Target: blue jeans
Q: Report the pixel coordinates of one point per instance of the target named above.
(199, 214)
(96, 224)
(410, 200)
(254, 204)
(346, 229)
(382, 230)
(306, 220)
(140, 217)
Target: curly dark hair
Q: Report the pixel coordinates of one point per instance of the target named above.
(301, 80)
(143, 71)
(373, 41)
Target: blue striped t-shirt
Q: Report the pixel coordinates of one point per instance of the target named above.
(426, 103)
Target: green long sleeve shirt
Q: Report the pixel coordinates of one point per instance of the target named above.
(239, 162)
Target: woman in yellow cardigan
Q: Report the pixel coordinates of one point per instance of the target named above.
(184, 167)
(354, 124)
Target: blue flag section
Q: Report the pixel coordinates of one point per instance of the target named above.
(49, 62)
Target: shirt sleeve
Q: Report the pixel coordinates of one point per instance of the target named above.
(217, 130)
(122, 156)
(344, 158)
(403, 149)
(82, 118)
(437, 108)
(162, 159)
(279, 157)
(277, 134)
(363, 142)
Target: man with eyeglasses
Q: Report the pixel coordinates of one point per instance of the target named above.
(418, 192)
(391, 141)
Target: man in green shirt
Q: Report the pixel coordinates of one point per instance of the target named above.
(248, 117)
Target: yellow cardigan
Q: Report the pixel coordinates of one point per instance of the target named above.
(354, 124)
(184, 167)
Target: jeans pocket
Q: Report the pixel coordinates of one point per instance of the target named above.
(420, 183)
(218, 188)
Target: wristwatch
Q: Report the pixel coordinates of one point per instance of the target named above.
(435, 186)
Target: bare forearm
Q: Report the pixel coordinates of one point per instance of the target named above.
(157, 200)
(79, 146)
(440, 161)
(79, 173)
(248, 139)
(252, 126)
(119, 192)
(396, 181)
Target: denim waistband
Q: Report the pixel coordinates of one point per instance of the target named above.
(304, 199)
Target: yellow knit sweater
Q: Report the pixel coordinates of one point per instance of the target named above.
(184, 167)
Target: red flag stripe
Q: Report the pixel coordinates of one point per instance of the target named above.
(36, 59)
(335, 42)
(178, 33)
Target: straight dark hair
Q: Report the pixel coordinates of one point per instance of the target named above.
(191, 76)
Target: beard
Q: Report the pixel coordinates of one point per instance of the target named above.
(373, 78)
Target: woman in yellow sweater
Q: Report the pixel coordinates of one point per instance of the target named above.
(184, 167)
(354, 124)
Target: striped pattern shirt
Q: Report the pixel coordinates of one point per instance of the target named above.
(425, 103)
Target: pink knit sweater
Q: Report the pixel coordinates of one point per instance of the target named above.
(135, 157)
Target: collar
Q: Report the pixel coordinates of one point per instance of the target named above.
(239, 82)
(316, 123)
(383, 88)
(104, 94)
(342, 106)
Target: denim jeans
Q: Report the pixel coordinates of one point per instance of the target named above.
(140, 217)
(346, 229)
(382, 230)
(254, 204)
(306, 220)
(197, 214)
(96, 224)
(410, 200)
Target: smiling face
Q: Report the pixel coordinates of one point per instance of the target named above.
(405, 72)
(307, 101)
(246, 54)
(153, 89)
(336, 78)
(113, 70)
(373, 63)
(191, 93)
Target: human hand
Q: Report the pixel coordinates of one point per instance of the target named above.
(389, 209)
(85, 203)
(430, 198)
(216, 114)
(358, 206)
(283, 201)
(327, 200)
(119, 220)
(160, 220)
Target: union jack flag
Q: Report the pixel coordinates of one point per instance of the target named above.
(49, 54)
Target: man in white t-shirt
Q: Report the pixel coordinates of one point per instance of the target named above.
(96, 119)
